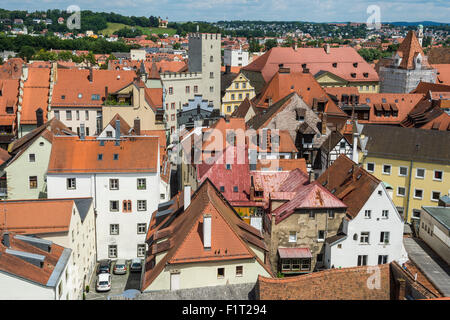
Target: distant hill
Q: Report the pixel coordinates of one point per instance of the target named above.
(424, 23)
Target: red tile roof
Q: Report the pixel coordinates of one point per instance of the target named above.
(9, 98)
(304, 84)
(71, 83)
(230, 236)
(443, 73)
(342, 177)
(312, 196)
(35, 94)
(408, 50)
(37, 216)
(16, 266)
(72, 155)
(316, 59)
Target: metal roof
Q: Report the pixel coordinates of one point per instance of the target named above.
(441, 214)
(59, 268)
(286, 253)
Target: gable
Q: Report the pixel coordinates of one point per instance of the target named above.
(328, 77)
(225, 244)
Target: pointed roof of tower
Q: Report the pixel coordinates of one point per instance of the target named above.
(408, 51)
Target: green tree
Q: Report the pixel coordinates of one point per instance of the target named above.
(26, 52)
(271, 43)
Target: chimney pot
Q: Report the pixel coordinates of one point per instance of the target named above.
(187, 196)
(39, 117)
(137, 126)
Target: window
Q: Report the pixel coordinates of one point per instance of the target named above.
(195, 89)
(321, 235)
(142, 205)
(71, 184)
(86, 115)
(68, 115)
(32, 157)
(100, 156)
(385, 214)
(437, 175)
(109, 134)
(384, 237)
(142, 184)
(244, 85)
(403, 171)
(418, 194)
(116, 156)
(293, 236)
(364, 237)
(228, 166)
(239, 271)
(305, 264)
(162, 196)
(87, 131)
(211, 75)
(401, 191)
(228, 108)
(342, 145)
(362, 260)
(420, 173)
(220, 273)
(114, 205)
(235, 189)
(112, 251)
(141, 250)
(222, 189)
(211, 59)
(170, 90)
(113, 184)
(240, 96)
(367, 214)
(57, 114)
(232, 96)
(382, 259)
(33, 182)
(236, 85)
(370, 167)
(211, 89)
(172, 117)
(320, 257)
(188, 89)
(312, 215)
(387, 169)
(126, 206)
(435, 195)
(172, 105)
(416, 214)
(77, 114)
(331, 214)
(114, 229)
(141, 228)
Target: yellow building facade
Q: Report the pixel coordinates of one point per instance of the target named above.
(236, 93)
(330, 80)
(411, 184)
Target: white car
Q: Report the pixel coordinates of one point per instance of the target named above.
(104, 282)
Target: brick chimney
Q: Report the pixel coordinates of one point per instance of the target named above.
(324, 123)
(91, 75)
(401, 290)
(137, 126)
(252, 189)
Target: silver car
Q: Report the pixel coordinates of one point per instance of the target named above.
(120, 267)
(104, 282)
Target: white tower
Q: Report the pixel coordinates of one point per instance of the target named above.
(420, 34)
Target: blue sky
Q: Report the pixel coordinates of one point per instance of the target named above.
(280, 10)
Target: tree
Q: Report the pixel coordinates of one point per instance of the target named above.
(26, 52)
(177, 46)
(254, 46)
(271, 43)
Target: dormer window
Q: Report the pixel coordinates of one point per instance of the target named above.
(355, 64)
(334, 64)
(353, 75)
(80, 96)
(366, 75)
(63, 97)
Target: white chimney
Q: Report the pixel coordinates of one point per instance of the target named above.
(187, 196)
(355, 147)
(207, 231)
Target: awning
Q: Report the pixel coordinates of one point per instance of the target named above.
(296, 253)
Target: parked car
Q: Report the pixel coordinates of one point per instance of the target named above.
(104, 266)
(136, 265)
(120, 267)
(104, 282)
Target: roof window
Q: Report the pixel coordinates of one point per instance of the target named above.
(100, 156)
(116, 156)
(80, 96)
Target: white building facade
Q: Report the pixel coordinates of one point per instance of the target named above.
(235, 57)
(374, 236)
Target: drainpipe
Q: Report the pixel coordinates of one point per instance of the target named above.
(409, 190)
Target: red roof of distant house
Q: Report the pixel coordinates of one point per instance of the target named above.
(73, 88)
(443, 73)
(72, 155)
(442, 123)
(304, 84)
(35, 94)
(9, 97)
(312, 196)
(11, 69)
(316, 60)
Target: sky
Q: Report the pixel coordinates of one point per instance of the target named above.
(268, 10)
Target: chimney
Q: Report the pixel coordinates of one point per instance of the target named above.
(252, 189)
(401, 290)
(327, 48)
(117, 132)
(312, 177)
(227, 69)
(39, 117)
(324, 123)
(187, 196)
(82, 132)
(137, 126)
(207, 232)
(91, 75)
(106, 92)
(355, 147)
